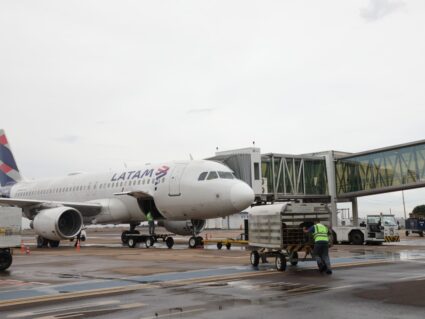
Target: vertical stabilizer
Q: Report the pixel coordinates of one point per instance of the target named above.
(9, 173)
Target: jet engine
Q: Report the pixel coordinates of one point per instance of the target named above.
(58, 223)
(185, 227)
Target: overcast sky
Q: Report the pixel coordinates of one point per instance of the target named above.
(91, 85)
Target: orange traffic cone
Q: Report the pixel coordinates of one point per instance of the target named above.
(77, 247)
(22, 247)
(27, 250)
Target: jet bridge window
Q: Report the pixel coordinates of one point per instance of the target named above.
(202, 176)
(225, 175)
(212, 175)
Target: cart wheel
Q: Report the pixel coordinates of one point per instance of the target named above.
(131, 243)
(124, 238)
(153, 240)
(169, 241)
(293, 259)
(5, 260)
(255, 258)
(149, 242)
(228, 245)
(219, 245)
(192, 242)
(280, 262)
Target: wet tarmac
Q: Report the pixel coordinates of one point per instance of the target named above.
(105, 280)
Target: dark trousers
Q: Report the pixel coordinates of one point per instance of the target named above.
(321, 254)
(151, 227)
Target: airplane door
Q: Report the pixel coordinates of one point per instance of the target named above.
(175, 179)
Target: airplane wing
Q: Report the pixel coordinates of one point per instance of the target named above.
(136, 194)
(86, 209)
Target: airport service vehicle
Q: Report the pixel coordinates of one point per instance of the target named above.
(377, 230)
(149, 240)
(415, 226)
(181, 194)
(277, 231)
(10, 234)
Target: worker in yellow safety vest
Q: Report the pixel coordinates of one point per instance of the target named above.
(321, 246)
(151, 223)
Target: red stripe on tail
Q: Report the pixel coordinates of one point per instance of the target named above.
(3, 140)
(5, 168)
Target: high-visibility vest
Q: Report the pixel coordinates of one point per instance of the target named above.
(149, 217)
(320, 233)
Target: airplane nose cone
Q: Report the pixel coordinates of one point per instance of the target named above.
(241, 196)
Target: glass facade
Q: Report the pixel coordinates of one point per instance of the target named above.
(373, 172)
(294, 175)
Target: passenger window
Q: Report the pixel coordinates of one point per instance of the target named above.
(202, 176)
(212, 175)
(225, 175)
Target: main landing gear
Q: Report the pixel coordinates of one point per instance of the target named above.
(44, 242)
(196, 242)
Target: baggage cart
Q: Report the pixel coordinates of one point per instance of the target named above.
(277, 231)
(10, 234)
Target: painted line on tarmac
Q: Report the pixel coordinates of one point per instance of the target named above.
(73, 295)
(57, 309)
(176, 313)
(83, 314)
(105, 291)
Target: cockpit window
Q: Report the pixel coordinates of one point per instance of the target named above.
(212, 175)
(225, 175)
(202, 176)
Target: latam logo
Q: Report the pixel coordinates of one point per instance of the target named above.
(130, 175)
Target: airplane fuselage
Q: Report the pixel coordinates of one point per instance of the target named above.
(175, 188)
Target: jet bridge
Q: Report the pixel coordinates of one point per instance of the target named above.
(279, 177)
(330, 176)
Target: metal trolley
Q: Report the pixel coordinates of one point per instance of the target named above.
(277, 231)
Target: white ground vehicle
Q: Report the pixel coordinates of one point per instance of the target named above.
(10, 234)
(378, 229)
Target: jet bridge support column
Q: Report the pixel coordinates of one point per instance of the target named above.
(355, 208)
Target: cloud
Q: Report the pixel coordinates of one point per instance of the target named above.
(202, 110)
(378, 9)
(68, 139)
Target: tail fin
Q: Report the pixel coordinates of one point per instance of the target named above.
(9, 173)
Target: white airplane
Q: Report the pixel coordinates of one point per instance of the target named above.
(180, 194)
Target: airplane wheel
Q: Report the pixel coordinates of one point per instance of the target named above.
(42, 242)
(219, 245)
(192, 242)
(228, 245)
(5, 260)
(131, 243)
(280, 262)
(199, 241)
(169, 241)
(124, 238)
(255, 258)
(54, 243)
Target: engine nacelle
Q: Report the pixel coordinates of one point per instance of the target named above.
(58, 223)
(185, 227)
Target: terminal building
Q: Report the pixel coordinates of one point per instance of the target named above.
(329, 177)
